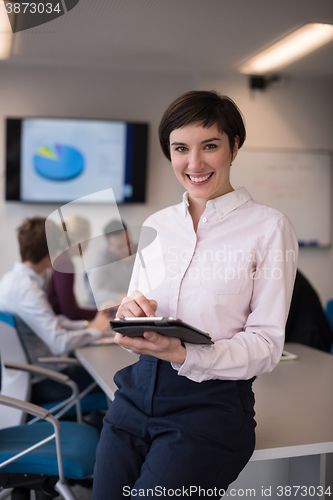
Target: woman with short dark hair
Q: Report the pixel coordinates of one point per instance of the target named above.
(182, 422)
(206, 108)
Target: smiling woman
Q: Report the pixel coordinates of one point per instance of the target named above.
(183, 417)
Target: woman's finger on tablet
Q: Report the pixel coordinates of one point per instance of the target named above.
(136, 305)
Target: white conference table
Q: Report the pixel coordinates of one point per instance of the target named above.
(294, 414)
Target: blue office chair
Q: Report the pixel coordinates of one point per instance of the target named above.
(37, 455)
(18, 383)
(329, 315)
(44, 455)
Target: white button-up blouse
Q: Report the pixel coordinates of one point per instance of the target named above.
(233, 279)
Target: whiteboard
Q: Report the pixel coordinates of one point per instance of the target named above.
(297, 183)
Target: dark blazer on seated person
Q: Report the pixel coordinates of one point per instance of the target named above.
(307, 323)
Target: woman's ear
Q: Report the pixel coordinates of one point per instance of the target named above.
(235, 148)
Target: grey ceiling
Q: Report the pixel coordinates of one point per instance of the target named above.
(173, 35)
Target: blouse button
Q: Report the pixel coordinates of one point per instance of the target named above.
(204, 219)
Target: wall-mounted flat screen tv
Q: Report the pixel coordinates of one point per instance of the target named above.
(58, 160)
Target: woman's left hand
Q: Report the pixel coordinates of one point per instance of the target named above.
(154, 344)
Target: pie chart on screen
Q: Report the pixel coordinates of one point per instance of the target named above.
(58, 162)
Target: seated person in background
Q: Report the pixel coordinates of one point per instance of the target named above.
(307, 323)
(42, 331)
(109, 280)
(60, 286)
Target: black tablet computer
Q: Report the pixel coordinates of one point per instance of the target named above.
(171, 327)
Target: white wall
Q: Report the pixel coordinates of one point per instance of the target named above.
(293, 113)
(290, 114)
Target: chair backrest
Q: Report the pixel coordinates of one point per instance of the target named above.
(14, 383)
(329, 316)
(329, 312)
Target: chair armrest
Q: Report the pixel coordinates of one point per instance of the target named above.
(40, 413)
(58, 377)
(53, 375)
(30, 408)
(58, 359)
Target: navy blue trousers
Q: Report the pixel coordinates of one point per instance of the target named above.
(165, 435)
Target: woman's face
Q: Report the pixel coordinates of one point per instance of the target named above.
(201, 160)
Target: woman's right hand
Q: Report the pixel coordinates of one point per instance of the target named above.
(136, 305)
(152, 343)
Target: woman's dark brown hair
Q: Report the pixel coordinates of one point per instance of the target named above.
(207, 108)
